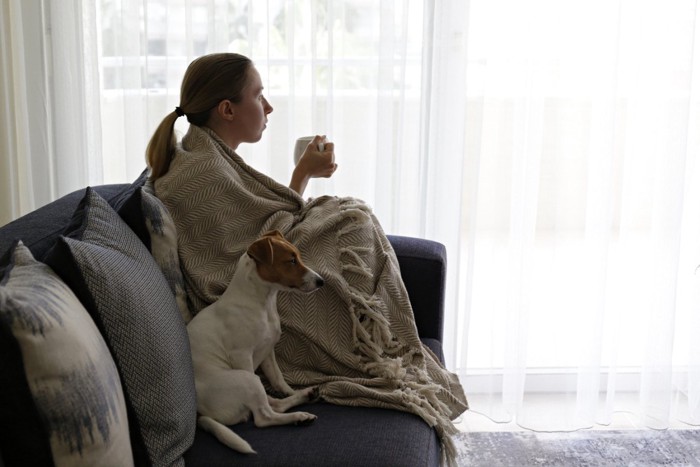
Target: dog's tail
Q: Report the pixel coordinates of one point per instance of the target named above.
(225, 435)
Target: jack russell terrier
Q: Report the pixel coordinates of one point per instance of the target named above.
(235, 335)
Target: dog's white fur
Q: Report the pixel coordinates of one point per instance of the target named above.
(235, 335)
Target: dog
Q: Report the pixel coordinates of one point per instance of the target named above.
(235, 335)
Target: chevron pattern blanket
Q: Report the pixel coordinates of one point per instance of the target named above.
(356, 337)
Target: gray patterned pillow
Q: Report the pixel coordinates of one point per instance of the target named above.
(70, 373)
(115, 276)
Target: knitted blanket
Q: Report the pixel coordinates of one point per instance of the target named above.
(355, 337)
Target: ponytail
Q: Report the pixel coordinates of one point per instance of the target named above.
(161, 147)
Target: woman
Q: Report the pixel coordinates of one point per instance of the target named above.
(240, 117)
(356, 337)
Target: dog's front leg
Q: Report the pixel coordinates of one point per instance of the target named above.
(274, 375)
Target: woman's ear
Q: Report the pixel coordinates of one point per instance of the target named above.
(226, 110)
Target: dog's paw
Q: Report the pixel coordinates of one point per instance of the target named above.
(313, 394)
(305, 419)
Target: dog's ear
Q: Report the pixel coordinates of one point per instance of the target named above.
(261, 251)
(274, 233)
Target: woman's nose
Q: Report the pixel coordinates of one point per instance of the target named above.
(268, 107)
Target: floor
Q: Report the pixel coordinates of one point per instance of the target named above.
(475, 420)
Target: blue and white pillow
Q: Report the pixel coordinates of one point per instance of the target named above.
(125, 292)
(71, 376)
(148, 217)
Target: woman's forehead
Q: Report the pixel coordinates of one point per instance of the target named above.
(254, 82)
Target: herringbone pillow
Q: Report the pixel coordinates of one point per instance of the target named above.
(118, 281)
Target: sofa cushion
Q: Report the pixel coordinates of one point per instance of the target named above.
(340, 436)
(62, 399)
(148, 217)
(118, 281)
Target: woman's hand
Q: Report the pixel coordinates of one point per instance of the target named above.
(314, 164)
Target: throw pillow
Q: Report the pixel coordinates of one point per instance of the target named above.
(122, 287)
(65, 392)
(148, 217)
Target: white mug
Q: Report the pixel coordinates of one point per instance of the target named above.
(301, 145)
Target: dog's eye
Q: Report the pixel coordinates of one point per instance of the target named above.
(293, 261)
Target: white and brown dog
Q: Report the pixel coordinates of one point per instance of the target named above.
(235, 335)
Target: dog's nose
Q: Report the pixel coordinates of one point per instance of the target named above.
(319, 281)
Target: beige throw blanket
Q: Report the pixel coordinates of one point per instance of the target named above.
(356, 337)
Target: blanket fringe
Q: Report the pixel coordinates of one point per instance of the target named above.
(382, 355)
(437, 420)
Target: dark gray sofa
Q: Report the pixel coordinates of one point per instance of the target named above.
(341, 436)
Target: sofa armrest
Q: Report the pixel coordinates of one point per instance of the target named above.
(423, 266)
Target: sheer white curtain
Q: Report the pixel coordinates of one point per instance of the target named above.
(553, 147)
(582, 234)
(50, 125)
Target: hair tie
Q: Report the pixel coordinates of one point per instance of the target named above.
(179, 111)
